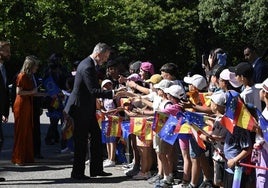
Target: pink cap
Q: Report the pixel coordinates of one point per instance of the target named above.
(134, 77)
(172, 109)
(147, 66)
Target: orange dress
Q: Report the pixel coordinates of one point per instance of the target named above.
(23, 114)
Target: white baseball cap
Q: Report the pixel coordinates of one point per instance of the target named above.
(263, 85)
(105, 82)
(230, 76)
(219, 98)
(163, 84)
(196, 80)
(175, 91)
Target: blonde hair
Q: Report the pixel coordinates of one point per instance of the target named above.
(29, 63)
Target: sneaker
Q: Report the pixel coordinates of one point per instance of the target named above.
(181, 185)
(166, 182)
(65, 150)
(128, 166)
(133, 171)
(142, 176)
(155, 178)
(206, 184)
(105, 161)
(163, 184)
(109, 163)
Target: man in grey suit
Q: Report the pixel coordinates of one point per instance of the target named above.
(4, 93)
(81, 106)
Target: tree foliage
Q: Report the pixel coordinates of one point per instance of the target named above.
(160, 31)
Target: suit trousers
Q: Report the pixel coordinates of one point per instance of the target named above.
(83, 125)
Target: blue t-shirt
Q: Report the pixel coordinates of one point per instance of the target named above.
(235, 143)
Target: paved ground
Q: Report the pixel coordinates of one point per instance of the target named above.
(54, 170)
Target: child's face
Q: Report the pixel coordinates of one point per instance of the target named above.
(263, 95)
(213, 107)
(192, 87)
(108, 86)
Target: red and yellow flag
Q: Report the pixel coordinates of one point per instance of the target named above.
(204, 100)
(160, 119)
(147, 132)
(137, 126)
(114, 126)
(196, 133)
(100, 117)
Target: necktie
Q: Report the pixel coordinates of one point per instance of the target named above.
(3, 72)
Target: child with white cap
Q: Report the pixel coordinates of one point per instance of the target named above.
(175, 94)
(108, 106)
(218, 100)
(159, 102)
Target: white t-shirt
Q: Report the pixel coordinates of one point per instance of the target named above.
(251, 95)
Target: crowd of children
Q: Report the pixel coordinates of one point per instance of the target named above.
(143, 93)
(149, 93)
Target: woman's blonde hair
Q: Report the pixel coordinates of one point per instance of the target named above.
(29, 63)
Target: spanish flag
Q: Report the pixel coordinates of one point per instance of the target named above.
(160, 119)
(137, 126)
(204, 99)
(100, 117)
(147, 132)
(114, 126)
(196, 133)
(238, 112)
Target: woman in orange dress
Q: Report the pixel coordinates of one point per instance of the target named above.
(23, 113)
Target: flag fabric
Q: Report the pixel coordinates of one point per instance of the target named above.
(238, 112)
(137, 126)
(100, 117)
(114, 126)
(104, 127)
(148, 134)
(182, 128)
(263, 122)
(195, 118)
(51, 87)
(204, 99)
(159, 120)
(207, 128)
(227, 123)
(125, 125)
(196, 133)
(167, 132)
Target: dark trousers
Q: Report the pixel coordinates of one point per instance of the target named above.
(52, 132)
(82, 127)
(1, 135)
(36, 133)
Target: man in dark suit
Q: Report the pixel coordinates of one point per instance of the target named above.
(259, 64)
(4, 92)
(81, 106)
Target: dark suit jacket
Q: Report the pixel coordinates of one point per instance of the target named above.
(4, 98)
(85, 91)
(260, 71)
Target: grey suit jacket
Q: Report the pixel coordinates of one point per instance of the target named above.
(85, 91)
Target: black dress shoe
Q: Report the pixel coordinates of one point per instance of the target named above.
(2, 179)
(82, 177)
(101, 174)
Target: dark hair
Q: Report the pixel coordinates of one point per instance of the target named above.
(250, 47)
(55, 58)
(170, 68)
